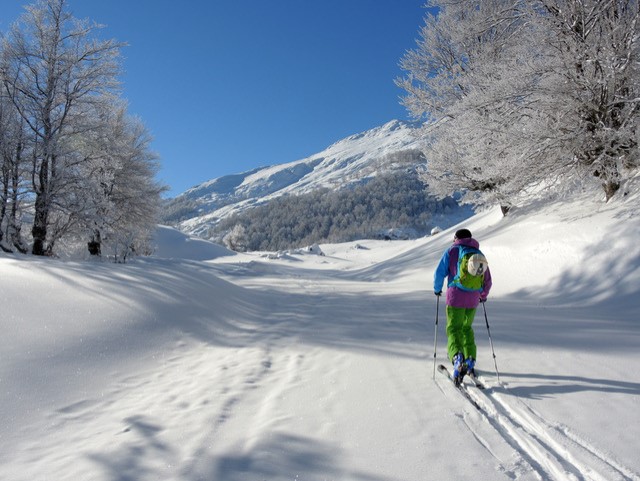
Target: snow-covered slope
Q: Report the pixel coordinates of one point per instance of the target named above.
(300, 366)
(171, 243)
(349, 160)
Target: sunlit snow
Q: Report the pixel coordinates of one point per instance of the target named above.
(202, 364)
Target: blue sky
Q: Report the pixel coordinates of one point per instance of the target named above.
(225, 86)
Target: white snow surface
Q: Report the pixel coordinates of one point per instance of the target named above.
(202, 364)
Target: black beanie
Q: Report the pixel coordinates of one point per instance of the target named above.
(463, 234)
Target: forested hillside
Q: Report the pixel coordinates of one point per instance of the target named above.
(368, 185)
(392, 205)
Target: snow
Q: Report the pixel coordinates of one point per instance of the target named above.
(172, 243)
(203, 364)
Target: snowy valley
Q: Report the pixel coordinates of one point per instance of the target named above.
(203, 364)
(258, 358)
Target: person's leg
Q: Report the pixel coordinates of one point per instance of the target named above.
(455, 326)
(469, 340)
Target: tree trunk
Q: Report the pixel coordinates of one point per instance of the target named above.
(40, 223)
(3, 205)
(95, 244)
(610, 188)
(15, 225)
(41, 217)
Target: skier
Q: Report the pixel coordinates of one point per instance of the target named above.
(462, 302)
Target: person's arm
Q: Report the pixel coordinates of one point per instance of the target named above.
(440, 273)
(486, 286)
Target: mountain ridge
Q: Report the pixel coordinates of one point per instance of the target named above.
(344, 163)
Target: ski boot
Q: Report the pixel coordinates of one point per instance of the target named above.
(471, 364)
(459, 368)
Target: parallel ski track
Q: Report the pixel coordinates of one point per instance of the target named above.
(552, 451)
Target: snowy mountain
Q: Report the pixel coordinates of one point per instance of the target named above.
(201, 363)
(348, 161)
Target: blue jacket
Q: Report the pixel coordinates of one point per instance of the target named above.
(448, 267)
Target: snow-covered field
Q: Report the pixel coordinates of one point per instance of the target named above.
(200, 364)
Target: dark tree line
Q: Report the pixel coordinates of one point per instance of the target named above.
(395, 201)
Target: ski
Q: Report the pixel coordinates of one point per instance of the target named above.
(477, 382)
(460, 387)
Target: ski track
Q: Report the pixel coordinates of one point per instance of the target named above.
(550, 452)
(136, 446)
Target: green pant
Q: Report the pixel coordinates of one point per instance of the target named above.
(460, 337)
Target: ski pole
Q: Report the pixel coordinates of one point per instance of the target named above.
(435, 337)
(491, 342)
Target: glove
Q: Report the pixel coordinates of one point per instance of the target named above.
(483, 300)
(438, 293)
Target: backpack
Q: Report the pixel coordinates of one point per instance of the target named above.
(472, 264)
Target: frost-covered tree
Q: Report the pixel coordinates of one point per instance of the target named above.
(235, 238)
(12, 168)
(594, 101)
(54, 70)
(513, 97)
(121, 195)
(134, 193)
(460, 81)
